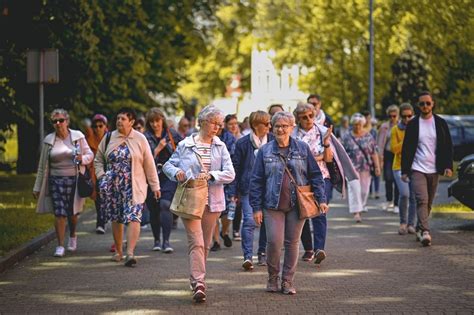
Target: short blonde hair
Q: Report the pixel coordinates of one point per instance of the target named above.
(258, 117)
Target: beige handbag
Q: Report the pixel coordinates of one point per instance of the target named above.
(190, 199)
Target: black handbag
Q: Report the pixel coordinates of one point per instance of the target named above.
(85, 186)
(334, 172)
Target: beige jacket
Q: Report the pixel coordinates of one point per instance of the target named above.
(143, 164)
(45, 204)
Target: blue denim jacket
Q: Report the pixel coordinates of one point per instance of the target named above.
(243, 160)
(267, 174)
(185, 158)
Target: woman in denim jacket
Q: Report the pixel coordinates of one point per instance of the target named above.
(216, 167)
(273, 196)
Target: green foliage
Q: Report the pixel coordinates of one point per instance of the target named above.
(410, 77)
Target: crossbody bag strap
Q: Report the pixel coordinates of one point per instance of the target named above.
(170, 135)
(360, 147)
(292, 179)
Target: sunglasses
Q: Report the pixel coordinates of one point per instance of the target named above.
(98, 126)
(421, 104)
(60, 120)
(393, 116)
(306, 117)
(406, 116)
(267, 124)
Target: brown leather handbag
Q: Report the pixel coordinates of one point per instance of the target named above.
(308, 206)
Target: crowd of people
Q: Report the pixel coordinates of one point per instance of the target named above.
(251, 171)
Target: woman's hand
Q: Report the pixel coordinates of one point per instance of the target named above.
(327, 136)
(324, 207)
(36, 194)
(160, 146)
(258, 217)
(157, 194)
(204, 176)
(180, 176)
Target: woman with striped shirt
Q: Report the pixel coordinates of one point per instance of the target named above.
(203, 156)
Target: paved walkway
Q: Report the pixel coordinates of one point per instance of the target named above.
(370, 269)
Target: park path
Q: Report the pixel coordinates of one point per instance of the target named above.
(369, 269)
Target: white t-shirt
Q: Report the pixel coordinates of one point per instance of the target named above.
(425, 157)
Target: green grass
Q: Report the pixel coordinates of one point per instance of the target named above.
(19, 223)
(450, 207)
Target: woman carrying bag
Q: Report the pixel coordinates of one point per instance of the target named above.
(200, 157)
(65, 153)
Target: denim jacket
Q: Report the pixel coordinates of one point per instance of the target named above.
(243, 160)
(185, 158)
(267, 174)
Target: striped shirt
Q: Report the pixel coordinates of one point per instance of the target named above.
(204, 150)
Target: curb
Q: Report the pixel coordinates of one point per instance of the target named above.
(18, 254)
(454, 215)
(25, 250)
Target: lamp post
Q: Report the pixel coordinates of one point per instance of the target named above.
(371, 59)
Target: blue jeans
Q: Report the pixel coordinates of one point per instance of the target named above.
(248, 228)
(407, 201)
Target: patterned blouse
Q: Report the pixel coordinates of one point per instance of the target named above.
(313, 138)
(367, 143)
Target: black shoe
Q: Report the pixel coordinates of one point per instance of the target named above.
(227, 240)
(199, 294)
(215, 247)
(130, 261)
(308, 255)
(319, 256)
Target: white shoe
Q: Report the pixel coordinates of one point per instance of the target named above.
(72, 244)
(426, 239)
(384, 206)
(396, 209)
(59, 252)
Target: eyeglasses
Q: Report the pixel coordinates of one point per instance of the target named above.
(98, 126)
(266, 124)
(306, 117)
(60, 120)
(406, 116)
(283, 127)
(218, 124)
(421, 104)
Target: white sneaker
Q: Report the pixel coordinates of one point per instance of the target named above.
(59, 252)
(100, 230)
(72, 244)
(396, 209)
(384, 206)
(426, 239)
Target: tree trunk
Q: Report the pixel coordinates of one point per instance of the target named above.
(28, 148)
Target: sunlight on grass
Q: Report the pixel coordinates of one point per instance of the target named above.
(343, 273)
(390, 250)
(450, 207)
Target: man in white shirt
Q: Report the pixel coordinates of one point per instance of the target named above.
(427, 153)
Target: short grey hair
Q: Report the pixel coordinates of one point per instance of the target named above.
(358, 118)
(59, 111)
(302, 108)
(208, 112)
(392, 108)
(283, 116)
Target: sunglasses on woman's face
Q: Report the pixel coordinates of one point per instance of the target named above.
(60, 120)
(98, 126)
(406, 116)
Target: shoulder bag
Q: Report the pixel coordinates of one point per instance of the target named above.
(190, 198)
(334, 173)
(85, 186)
(308, 206)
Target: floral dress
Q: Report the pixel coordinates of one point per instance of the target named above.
(116, 188)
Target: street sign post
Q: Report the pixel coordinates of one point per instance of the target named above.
(43, 68)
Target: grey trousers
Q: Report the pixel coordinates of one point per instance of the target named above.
(424, 186)
(283, 229)
(199, 233)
